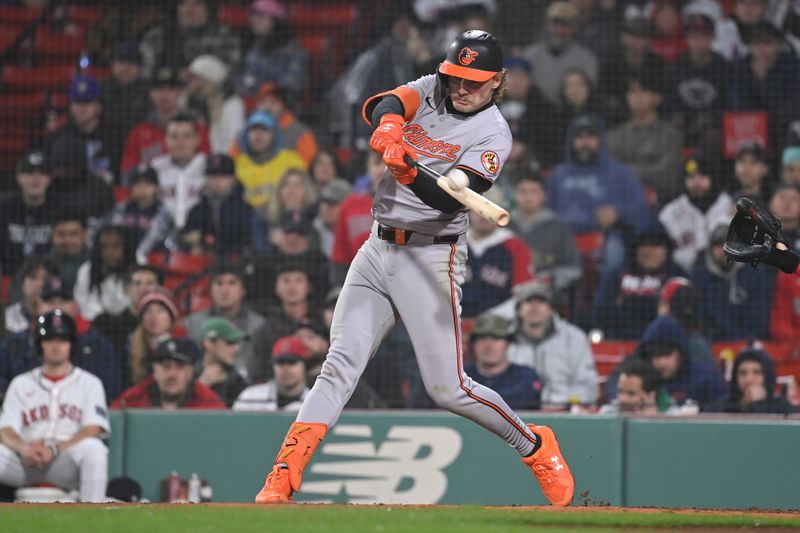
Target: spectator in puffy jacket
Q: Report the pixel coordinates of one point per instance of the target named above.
(557, 350)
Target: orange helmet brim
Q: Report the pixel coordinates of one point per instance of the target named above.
(472, 74)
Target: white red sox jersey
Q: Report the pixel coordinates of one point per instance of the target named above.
(38, 408)
(180, 187)
(442, 140)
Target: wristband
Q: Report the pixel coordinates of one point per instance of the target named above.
(54, 448)
(785, 260)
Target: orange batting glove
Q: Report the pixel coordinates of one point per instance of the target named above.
(390, 131)
(393, 157)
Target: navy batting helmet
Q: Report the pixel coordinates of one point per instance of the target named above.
(475, 55)
(54, 324)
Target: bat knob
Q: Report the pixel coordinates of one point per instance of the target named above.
(410, 161)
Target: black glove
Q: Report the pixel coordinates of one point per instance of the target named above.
(752, 234)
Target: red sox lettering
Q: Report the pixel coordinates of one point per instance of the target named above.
(42, 414)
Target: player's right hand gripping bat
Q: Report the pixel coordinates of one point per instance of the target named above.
(469, 198)
(754, 235)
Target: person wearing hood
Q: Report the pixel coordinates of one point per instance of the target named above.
(555, 254)
(752, 387)
(221, 221)
(626, 299)
(688, 217)
(497, 262)
(735, 299)
(591, 192)
(558, 351)
(263, 160)
(665, 346)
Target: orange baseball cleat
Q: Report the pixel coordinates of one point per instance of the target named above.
(550, 468)
(287, 472)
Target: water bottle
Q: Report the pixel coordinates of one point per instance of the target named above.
(194, 488)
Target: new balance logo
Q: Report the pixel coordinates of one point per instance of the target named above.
(407, 466)
(556, 463)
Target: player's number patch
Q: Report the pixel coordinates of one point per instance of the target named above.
(490, 161)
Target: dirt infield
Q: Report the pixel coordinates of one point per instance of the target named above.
(246, 517)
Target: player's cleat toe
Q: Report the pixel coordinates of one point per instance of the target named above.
(550, 468)
(277, 488)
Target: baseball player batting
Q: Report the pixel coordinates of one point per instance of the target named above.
(413, 264)
(53, 418)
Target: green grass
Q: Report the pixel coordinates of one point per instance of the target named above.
(384, 519)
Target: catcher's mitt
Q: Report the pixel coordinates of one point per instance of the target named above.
(752, 234)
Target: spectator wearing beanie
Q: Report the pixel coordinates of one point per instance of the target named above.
(158, 317)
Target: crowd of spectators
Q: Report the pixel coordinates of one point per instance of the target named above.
(624, 116)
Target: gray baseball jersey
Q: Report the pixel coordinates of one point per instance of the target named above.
(479, 142)
(419, 282)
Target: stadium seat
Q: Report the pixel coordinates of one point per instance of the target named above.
(187, 264)
(232, 16)
(609, 354)
(83, 15)
(121, 193)
(5, 284)
(21, 78)
(589, 243)
(19, 14)
(58, 45)
(333, 17)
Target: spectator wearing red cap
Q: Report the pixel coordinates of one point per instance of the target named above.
(287, 390)
(271, 52)
(172, 385)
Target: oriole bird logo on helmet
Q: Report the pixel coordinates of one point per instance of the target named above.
(467, 56)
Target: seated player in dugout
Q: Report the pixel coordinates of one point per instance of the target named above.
(413, 264)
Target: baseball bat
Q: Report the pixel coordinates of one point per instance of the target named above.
(469, 198)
